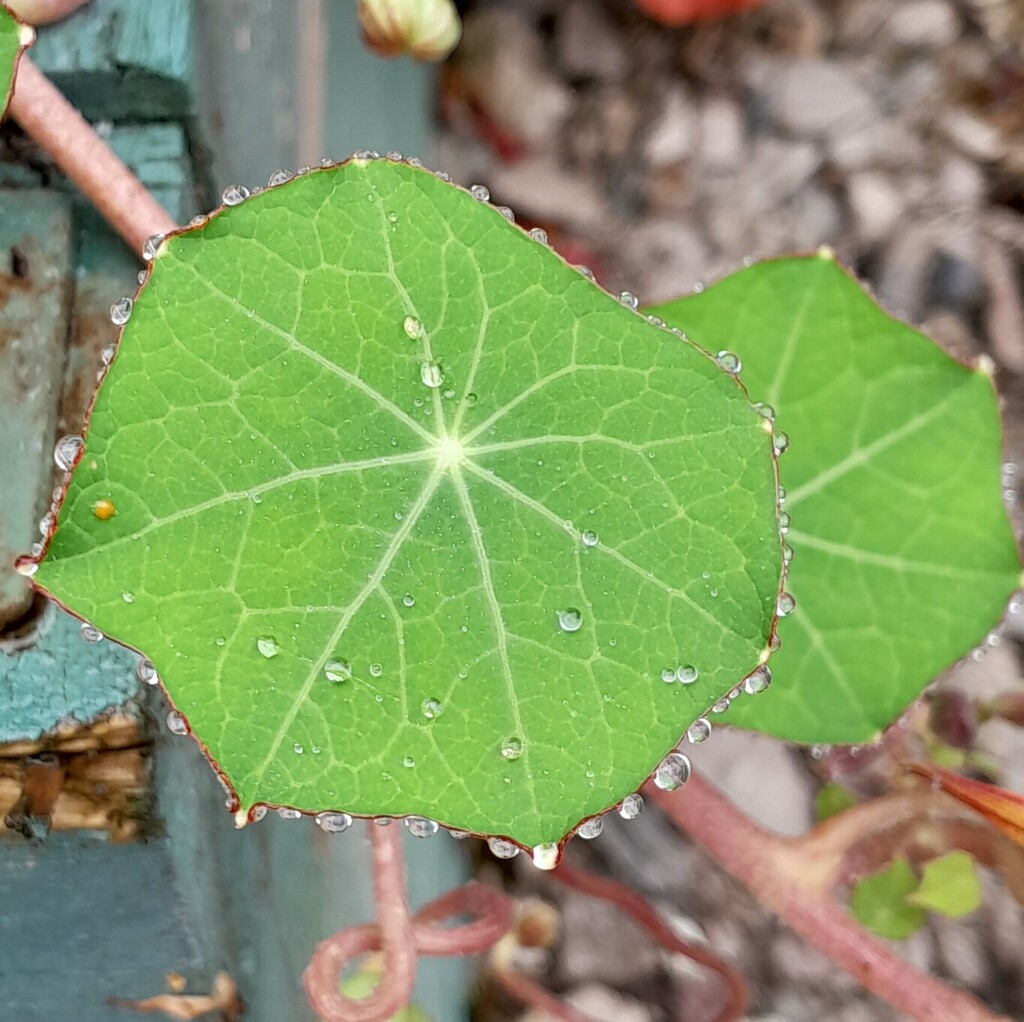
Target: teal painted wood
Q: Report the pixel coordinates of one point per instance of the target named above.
(81, 922)
(35, 255)
(59, 677)
(123, 59)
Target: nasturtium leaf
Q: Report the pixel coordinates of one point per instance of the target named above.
(949, 885)
(14, 37)
(411, 516)
(904, 555)
(879, 902)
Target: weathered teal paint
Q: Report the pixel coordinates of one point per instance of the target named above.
(60, 678)
(123, 59)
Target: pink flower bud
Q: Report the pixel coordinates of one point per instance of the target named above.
(425, 29)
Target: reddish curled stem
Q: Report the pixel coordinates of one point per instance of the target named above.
(775, 870)
(58, 128)
(43, 12)
(394, 934)
(402, 938)
(737, 991)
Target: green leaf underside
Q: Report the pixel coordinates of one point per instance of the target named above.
(10, 48)
(879, 902)
(950, 885)
(274, 456)
(904, 555)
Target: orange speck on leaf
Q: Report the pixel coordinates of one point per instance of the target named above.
(104, 510)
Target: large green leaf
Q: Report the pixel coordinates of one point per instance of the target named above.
(412, 516)
(14, 37)
(904, 556)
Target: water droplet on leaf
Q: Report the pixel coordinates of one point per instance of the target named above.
(673, 772)
(687, 674)
(67, 451)
(758, 680)
(729, 361)
(279, 177)
(629, 299)
(267, 645)
(420, 826)
(570, 619)
(590, 538)
(233, 195)
(90, 632)
(632, 806)
(338, 670)
(146, 672)
(176, 723)
(333, 823)
(546, 856)
(512, 747)
(481, 192)
(431, 374)
(121, 311)
(699, 731)
(786, 604)
(431, 708)
(590, 829)
(502, 849)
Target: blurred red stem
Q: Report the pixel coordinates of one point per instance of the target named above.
(737, 992)
(394, 934)
(58, 128)
(42, 12)
(776, 871)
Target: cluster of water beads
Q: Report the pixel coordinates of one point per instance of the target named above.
(685, 674)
